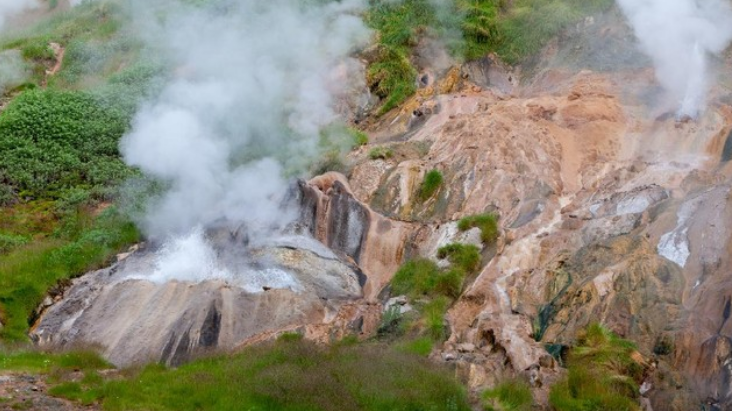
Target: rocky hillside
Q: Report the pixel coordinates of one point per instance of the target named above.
(528, 202)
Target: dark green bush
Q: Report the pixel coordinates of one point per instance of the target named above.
(51, 140)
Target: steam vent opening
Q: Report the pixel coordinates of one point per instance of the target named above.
(366, 205)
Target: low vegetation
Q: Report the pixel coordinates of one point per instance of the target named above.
(511, 395)
(463, 256)
(381, 153)
(290, 374)
(470, 29)
(79, 242)
(430, 185)
(487, 223)
(603, 374)
(432, 290)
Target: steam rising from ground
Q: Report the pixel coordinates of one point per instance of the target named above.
(679, 35)
(13, 70)
(9, 8)
(252, 89)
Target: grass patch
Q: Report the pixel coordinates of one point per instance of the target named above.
(487, 223)
(400, 24)
(430, 185)
(295, 375)
(464, 256)
(513, 395)
(602, 374)
(83, 242)
(381, 153)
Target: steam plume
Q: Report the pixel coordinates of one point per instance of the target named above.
(679, 35)
(252, 91)
(13, 70)
(9, 8)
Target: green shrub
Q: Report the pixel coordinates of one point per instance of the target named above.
(512, 395)
(465, 256)
(382, 153)
(51, 140)
(450, 282)
(416, 278)
(602, 374)
(430, 185)
(487, 223)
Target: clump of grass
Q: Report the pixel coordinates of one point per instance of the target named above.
(487, 223)
(359, 137)
(416, 278)
(434, 316)
(381, 153)
(602, 374)
(430, 185)
(465, 256)
(512, 395)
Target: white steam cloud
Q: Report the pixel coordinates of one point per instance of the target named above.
(254, 85)
(13, 70)
(9, 8)
(679, 36)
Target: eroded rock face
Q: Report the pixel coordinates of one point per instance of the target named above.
(136, 319)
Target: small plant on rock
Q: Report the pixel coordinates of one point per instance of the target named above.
(487, 223)
(381, 153)
(430, 185)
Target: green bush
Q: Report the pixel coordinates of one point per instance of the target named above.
(416, 278)
(602, 374)
(51, 140)
(430, 185)
(512, 395)
(465, 256)
(487, 223)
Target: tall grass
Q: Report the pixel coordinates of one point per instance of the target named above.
(602, 374)
(292, 375)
